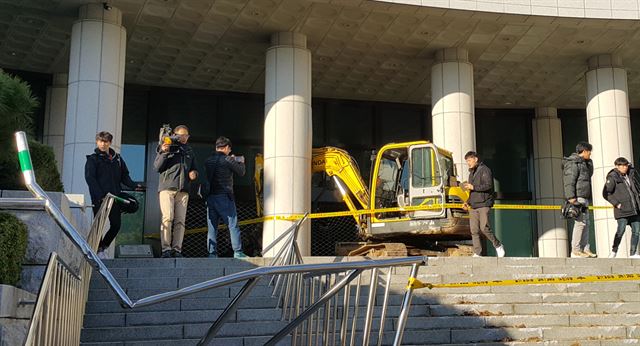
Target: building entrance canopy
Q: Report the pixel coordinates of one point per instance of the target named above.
(362, 50)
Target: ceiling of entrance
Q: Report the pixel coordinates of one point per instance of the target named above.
(364, 50)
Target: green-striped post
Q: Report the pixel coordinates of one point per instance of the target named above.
(25, 158)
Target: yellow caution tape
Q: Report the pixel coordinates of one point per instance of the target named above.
(416, 284)
(295, 217)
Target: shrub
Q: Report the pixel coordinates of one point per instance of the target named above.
(16, 111)
(16, 108)
(13, 246)
(44, 166)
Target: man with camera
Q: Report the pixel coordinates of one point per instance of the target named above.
(175, 161)
(479, 204)
(623, 192)
(577, 172)
(106, 172)
(220, 167)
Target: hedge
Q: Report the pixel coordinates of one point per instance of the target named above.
(13, 246)
(44, 166)
(16, 114)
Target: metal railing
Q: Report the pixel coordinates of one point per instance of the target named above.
(319, 307)
(308, 303)
(59, 311)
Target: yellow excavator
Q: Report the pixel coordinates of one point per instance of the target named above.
(403, 175)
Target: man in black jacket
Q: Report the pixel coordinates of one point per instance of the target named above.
(577, 172)
(479, 203)
(177, 168)
(105, 172)
(623, 192)
(221, 167)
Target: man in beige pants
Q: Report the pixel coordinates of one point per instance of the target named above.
(175, 161)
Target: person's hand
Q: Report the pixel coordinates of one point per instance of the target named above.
(572, 200)
(193, 175)
(467, 186)
(164, 147)
(465, 206)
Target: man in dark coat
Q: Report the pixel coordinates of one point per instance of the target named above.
(176, 164)
(220, 167)
(106, 172)
(623, 192)
(577, 172)
(479, 203)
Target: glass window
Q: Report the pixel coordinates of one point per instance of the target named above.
(399, 123)
(134, 157)
(385, 183)
(134, 123)
(343, 120)
(503, 141)
(574, 129)
(424, 168)
(448, 168)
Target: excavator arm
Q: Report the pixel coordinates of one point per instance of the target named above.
(338, 163)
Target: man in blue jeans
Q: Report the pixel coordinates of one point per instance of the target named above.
(220, 168)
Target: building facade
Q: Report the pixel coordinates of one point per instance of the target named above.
(520, 82)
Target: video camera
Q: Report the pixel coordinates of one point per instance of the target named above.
(168, 137)
(572, 211)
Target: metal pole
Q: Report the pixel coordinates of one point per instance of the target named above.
(385, 304)
(327, 312)
(368, 320)
(228, 311)
(404, 311)
(345, 315)
(356, 306)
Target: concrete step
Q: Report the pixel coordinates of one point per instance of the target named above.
(180, 331)
(188, 304)
(136, 318)
(455, 334)
(601, 313)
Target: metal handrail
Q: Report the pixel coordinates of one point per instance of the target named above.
(297, 271)
(58, 313)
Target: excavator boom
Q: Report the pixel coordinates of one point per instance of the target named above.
(336, 162)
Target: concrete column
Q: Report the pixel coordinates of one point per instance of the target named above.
(55, 113)
(452, 105)
(287, 136)
(96, 82)
(553, 239)
(609, 129)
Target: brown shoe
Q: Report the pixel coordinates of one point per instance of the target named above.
(589, 253)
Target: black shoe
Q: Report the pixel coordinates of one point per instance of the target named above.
(166, 254)
(177, 254)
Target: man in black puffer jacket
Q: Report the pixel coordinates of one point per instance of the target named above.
(623, 192)
(578, 169)
(220, 168)
(106, 172)
(480, 202)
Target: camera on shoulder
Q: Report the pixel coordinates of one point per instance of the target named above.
(168, 137)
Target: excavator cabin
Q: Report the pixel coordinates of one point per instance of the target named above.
(415, 174)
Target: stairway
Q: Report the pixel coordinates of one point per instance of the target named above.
(606, 313)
